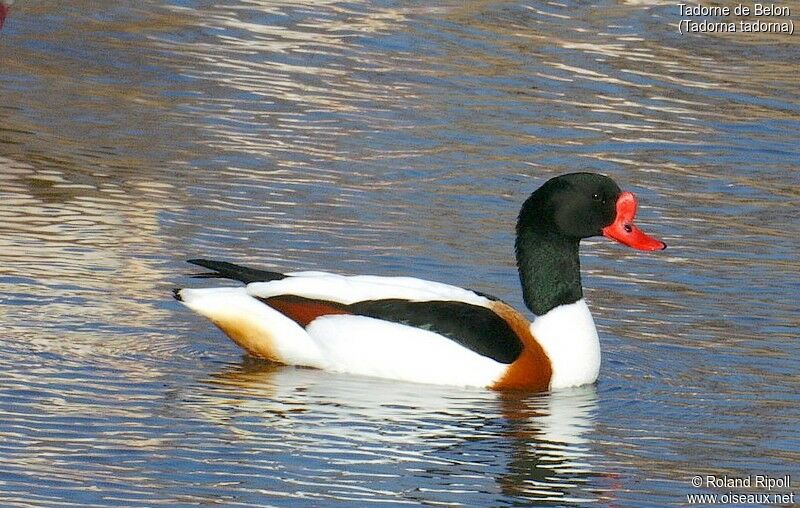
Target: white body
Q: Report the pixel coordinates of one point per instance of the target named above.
(373, 347)
(358, 288)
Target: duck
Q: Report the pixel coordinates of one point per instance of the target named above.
(415, 330)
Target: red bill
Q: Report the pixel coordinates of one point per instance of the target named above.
(625, 231)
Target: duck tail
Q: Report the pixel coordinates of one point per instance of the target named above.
(225, 270)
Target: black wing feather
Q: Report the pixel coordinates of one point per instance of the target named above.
(474, 327)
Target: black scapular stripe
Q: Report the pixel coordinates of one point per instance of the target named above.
(225, 270)
(472, 326)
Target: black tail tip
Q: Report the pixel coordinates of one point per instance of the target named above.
(177, 294)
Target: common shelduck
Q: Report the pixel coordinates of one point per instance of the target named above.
(416, 330)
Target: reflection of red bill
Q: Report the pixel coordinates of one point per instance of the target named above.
(4, 6)
(625, 231)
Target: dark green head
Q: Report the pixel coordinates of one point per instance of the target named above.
(551, 224)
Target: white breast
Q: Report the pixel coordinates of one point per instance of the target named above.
(569, 337)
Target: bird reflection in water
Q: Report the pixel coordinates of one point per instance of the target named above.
(526, 446)
(5, 6)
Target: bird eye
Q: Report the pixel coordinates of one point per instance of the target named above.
(596, 196)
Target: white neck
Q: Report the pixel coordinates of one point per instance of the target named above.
(569, 338)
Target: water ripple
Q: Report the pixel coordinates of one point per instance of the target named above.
(386, 138)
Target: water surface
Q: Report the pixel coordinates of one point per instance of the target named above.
(387, 138)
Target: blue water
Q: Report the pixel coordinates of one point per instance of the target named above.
(387, 138)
